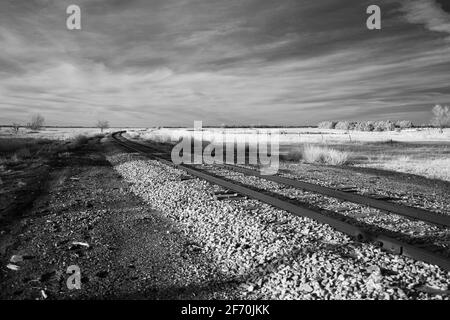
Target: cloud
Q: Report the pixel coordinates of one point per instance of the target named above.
(429, 13)
(170, 62)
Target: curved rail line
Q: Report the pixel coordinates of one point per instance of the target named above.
(385, 242)
(406, 211)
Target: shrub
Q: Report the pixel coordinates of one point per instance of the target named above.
(404, 124)
(379, 126)
(384, 126)
(80, 140)
(364, 126)
(327, 124)
(37, 121)
(336, 157)
(389, 125)
(15, 128)
(324, 155)
(344, 125)
(102, 124)
(441, 116)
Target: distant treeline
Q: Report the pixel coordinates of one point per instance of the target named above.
(386, 125)
(256, 126)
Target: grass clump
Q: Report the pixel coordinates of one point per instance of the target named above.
(324, 155)
(18, 149)
(80, 140)
(293, 155)
(318, 155)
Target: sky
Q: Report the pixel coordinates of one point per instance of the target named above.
(170, 62)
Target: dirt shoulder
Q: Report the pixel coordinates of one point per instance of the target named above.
(87, 217)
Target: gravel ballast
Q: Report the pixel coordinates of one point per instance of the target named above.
(273, 254)
(412, 231)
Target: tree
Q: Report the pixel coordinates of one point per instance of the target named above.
(102, 125)
(404, 124)
(15, 127)
(37, 121)
(441, 116)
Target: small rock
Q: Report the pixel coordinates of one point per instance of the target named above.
(16, 258)
(80, 244)
(374, 270)
(13, 267)
(306, 287)
(305, 232)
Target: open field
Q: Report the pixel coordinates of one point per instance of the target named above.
(421, 151)
(51, 133)
(293, 136)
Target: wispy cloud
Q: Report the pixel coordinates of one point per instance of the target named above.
(169, 62)
(429, 13)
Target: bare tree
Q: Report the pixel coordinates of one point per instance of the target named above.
(37, 121)
(102, 124)
(441, 116)
(15, 127)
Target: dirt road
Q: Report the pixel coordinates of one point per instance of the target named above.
(86, 217)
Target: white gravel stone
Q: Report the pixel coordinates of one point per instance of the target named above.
(275, 254)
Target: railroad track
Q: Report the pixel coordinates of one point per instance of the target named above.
(338, 222)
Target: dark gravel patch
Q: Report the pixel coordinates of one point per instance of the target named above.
(124, 249)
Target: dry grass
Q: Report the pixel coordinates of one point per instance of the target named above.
(13, 150)
(294, 155)
(318, 154)
(80, 140)
(324, 155)
(430, 168)
(9, 146)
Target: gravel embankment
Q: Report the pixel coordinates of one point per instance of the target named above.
(273, 254)
(406, 229)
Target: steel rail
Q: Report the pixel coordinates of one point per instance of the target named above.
(385, 242)
(400, 209)
(403, 210)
